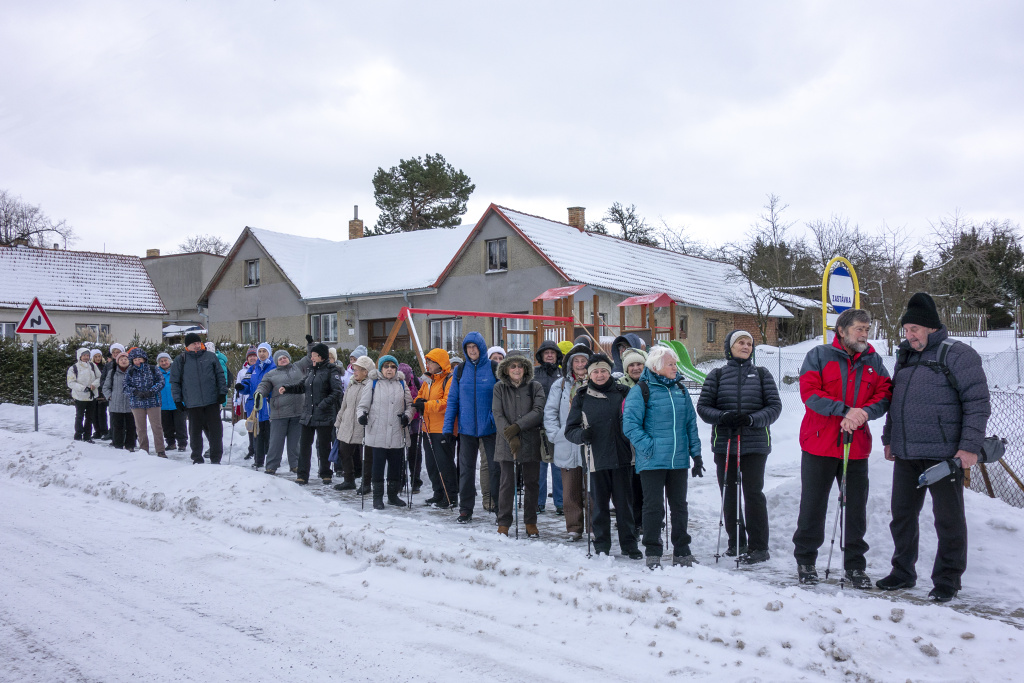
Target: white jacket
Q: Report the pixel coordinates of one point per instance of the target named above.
(81, 378)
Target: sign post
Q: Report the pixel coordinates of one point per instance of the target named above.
(36, 322)
(839, 290)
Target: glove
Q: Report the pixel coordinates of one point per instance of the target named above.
(239, 387)
(419, 404)
(309, 339)
(363, 419)
(698, 467)
(447, 438)
(729, 419)
(144, 394)
(257, 402)
(511, 431)
(513, 444)
(221, 398)
(404, 419)
(588, 434)
(179, 405)
(745, 421)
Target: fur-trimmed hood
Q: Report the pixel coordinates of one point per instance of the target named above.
(503, 367)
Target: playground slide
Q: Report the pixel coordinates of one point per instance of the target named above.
(685, 364)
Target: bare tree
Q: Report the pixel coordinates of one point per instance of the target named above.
(834, 237)
(21, 220)
(596, 227)
(677, 239)
(632, 227)
(208, 243)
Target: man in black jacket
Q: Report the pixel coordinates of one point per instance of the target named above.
(198, 386)
(939, 411)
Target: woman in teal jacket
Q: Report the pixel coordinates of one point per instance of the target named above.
(662, 426)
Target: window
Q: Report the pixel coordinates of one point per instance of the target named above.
(94, 333)
(497, 255)
(252, 273)
(507, 333)
(379, 331)
(447, 335)
(324, 327)
(254, 331)
(712, 329)
(684, 326)
(7, 330)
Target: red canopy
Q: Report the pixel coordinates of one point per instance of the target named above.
(661, 299)
(559, 292)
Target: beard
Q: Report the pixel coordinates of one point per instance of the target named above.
(856, 347)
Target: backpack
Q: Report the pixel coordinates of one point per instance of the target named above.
(94, 368)
(937, 365)
(645, 389)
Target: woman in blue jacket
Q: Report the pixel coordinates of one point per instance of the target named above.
(662, 426)
(247, 386)
(172, 419)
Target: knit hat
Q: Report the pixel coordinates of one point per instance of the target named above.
(120, 347)
(921, 311)
(599, 360)
(250, 352)
(333, 354)
(455, 360)
(364, 362)
(96, 352)
(737, 335)
(163, 355)
(210, 347)
(358, 351)
(282, 354)
(385, 359)
(190, 339)
(320, 350)
(630, 356)
(137, 352)
(496, 349)
(78, 354)
(267, 347)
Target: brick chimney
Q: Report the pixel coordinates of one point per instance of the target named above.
(150, 253)
(355, 226)
(577, 217)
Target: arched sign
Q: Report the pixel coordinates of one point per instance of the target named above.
(839, 292)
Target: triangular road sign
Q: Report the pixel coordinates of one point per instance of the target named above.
(35, 321)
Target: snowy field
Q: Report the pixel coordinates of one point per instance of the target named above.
(121, 566)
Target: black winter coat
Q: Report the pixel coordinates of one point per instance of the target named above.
(608, 448)
(547, 373)
(928, 418)
(197, 379)
(323, 389)
(740, 386)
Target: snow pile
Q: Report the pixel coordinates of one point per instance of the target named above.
(121, 565)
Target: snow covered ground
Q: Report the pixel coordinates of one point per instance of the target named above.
(119, 566)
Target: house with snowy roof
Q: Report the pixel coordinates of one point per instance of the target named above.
(97, 297)
(278, 286)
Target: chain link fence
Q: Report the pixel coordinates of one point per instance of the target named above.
(1003, 480)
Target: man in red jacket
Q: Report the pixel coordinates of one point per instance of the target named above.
(843, 385)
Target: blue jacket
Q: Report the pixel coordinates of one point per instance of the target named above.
(664, 432)
(144, 379)
(470, 397)
(252, 380)
(166, 397)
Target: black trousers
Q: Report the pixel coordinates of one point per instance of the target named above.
(85, 416)
(616, 485)
(415, 457)
(468, 447)
(950, 523)
(173, 422)
(441, 467)
(324, 441)
(390, 458)
(753, 525)
(530, 472)
(817, 473)
(659, 484)
(100, 424)
(348, 453)
(206, 420)
(262, 443)
(638, 498)
(122, 430)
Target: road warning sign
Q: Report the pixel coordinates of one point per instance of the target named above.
(36, 321)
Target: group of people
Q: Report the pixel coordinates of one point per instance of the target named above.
(619, 430)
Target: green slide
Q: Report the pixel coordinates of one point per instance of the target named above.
(685, 364)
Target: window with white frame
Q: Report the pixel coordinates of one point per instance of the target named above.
(252, 273)
(497, 255)
(254, 331)
(7, 330)
(93, 332)
(446, 334)
(324, 327)
(517, 334)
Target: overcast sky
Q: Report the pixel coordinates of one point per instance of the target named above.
(143, 122)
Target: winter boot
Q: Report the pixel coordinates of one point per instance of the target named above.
(942, 593)
(365, 489)
(503, 530)
(731, 550)
(858, 579)
(532, 531)
(684, 561)
(635, 554)
(808, 574)
(347, 485)
(378, 495)
(755, 557)
(894, 583)
(436, 498)
(653, 562)
(393, 499)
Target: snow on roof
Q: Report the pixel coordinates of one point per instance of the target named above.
(76, 281)
(797, 301)
(612, 263)
(322, 268)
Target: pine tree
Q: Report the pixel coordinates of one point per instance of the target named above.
(419, 194)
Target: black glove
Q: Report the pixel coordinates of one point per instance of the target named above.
(221, 398)
(511, 431)
(309, 339)
(588, 434)
(363, 419)
(404, 419)
(419, 404)
(745, 421)
(729, 419)
(179, 405)
(697, 470)
(447, 438)
(143, 394)
(239, 387)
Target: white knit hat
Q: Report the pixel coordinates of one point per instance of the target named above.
(739, 334)
(496, 349)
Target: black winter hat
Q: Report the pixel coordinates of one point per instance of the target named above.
(921, 311)
(321, 350)
(192, 338)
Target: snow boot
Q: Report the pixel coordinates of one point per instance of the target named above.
(393, 499)
(378, 495)
(653, 562)
(684, 561)
(532, 531)
(436, 498)
(465, 518)
(574, 536)
(755, 557)
(503, 530)
(731, 550)
(365, 489)
(894, 583)
(635, 554)
(347, 485)
(808, 574)
(858, 579)
(942, 593)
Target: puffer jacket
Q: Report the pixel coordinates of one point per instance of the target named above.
(928, 418)
(197, 379)
(84, 379)
(471, 392)
(166, 397)
(664, 431)
(547, 373)
(382, 402)
(743, 387)
(143, 383)
(522, 405)
(435, 393)
(113, 390)
(347, 426)
(602, 405)
(556, 412)
(632, 340)
(251, 381)
(282, 406)
(322, 394)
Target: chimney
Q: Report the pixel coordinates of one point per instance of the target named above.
(577, 218)
(56, 246)
(150, 253)
(355, 226)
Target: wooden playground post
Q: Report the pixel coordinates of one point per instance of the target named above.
(538, 325)
(672, 317)
(650, 323)
(570, 333)
(597, 317)
(622, 321)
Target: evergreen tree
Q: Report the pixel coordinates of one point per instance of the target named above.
(418, 194)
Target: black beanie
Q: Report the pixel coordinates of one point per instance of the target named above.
(921, 311)
(192, 338)
(321, 350)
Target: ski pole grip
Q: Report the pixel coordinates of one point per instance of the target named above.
(847, 437)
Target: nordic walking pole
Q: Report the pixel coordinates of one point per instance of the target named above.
(515, 478)
(362, 489)
(433, 454)
(739, 491)
(721, 510)
(405, 464)
(847, 438)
